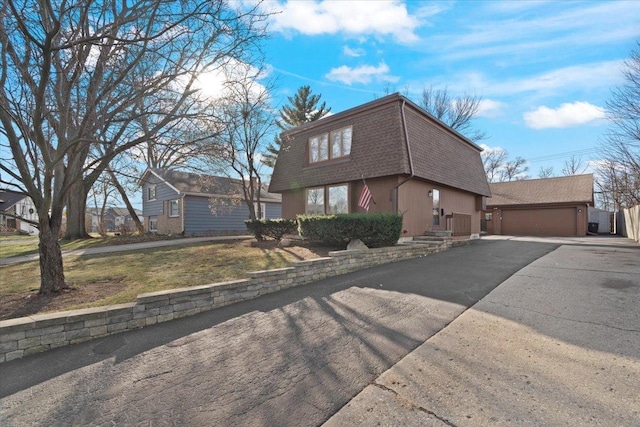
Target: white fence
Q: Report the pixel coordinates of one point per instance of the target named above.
(628, 223)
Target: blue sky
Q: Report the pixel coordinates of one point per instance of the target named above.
(544, 69)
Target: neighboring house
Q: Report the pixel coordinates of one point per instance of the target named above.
(14, 204)
(413, 164)
(114, 219)
(175, 202)
(540, 207)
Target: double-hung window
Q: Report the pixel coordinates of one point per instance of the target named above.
(151, 192)
(174, 208)
(263, 210)
(153, 224)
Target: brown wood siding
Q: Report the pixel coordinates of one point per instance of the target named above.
(415, 204)
(461, 202)
(380, 190)
(292, 203)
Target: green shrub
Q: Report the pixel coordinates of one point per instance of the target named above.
(375, 230)
(272, 228)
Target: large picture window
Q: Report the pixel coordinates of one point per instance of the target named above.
(333, 199)
(315, 201)
(338, 199)
(331, 145)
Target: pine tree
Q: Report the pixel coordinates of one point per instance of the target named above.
(303, 108)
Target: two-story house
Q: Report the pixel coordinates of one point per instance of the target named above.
(17, 213)
(412, 163)
(176, 202)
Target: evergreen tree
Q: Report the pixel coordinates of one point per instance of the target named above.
(303, 108)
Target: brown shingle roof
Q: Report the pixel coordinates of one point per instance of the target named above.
(566, 189)
(378, 149)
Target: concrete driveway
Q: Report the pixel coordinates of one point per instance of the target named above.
(556, 344)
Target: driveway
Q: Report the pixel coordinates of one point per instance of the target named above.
(291, 358)
(556, 344)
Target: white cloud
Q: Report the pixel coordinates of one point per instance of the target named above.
(567, 115)
(355, 18)
(353, 52)
(502, 29)
(490, 108)
(597, 75)
(363, 74)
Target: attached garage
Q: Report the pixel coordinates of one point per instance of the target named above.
(540, 222)
(540, 207)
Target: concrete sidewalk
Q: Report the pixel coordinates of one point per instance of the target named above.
(558, 343)
(128, 247)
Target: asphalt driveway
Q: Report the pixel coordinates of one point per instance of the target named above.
(291, 358)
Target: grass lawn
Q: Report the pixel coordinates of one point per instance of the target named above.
(119, 277)
(11, 246)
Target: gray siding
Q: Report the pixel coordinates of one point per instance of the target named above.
(200, 220)
(163, 193)
(274, 210)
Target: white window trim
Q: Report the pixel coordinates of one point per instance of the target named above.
(149, 189)
(177, 214)
(263, 209)
(153, 221)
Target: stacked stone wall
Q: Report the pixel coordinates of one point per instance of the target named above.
(27, 335)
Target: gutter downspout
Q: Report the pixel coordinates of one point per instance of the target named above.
(184, 210)
(394, 191)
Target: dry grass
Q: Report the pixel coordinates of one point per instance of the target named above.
(11, 246)
(115, 278)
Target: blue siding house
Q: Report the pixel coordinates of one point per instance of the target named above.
(176, 202)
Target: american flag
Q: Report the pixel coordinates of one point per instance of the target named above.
(365, 197)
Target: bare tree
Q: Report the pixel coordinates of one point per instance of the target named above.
(514, 170)
(574, 166)
(242, 121)
(456, 112)
(76, 75)
(617, 188)
(545, 172)
(493, 160)
(621, 146)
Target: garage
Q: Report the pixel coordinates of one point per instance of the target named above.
(539, 222)
(539, 207)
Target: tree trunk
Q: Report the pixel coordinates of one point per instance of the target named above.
(125, 199)
(51, 269)
(76, 210)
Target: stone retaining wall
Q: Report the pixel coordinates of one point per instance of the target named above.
(27, 335)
